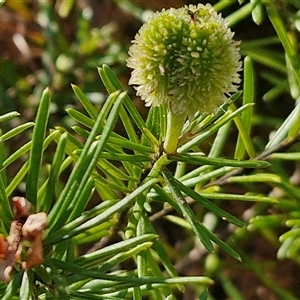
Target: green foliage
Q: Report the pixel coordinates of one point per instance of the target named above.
(103, 176)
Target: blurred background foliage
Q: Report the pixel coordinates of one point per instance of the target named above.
(55, 43)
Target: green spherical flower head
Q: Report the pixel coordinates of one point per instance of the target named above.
(185, 58)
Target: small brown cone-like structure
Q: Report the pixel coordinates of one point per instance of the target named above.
(25, 227)
(32, 230)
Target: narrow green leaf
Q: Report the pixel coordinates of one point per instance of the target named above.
(286, 156)
(164, 258)
(114, 171)
(239, 14)
(84, 295)
(275, 92)
(137, 294)
(24, 169)
(204, 234)
(225, 247)
(77, 226)
(219, 141)
(134, 170)
(230, 288)
(181, 169)
(262, 177)
(207, 176)
(95, 234)
(244, 135)
(43, 274)
(269, 178)
(139, 212)
(285, 40)
(83, 166)
(195, 172)
(257, 11)
(13, 132)
(80, 131)
(156, 122)
(283, 251)
(293, 233)
(6, 212)
(195, 158)
(204, 294)
(294, 86)
(237, 197)
(119, 141)
(263, 42)
(17, 154)
(35, 158)
(99, 147)
(211, 129)
(8, 116)
(85, 102)
(123, 255)
(101, 255)
(209, 205)
(112, 184)
(279, 89)
(285, 128)
(17, 179)
(198, 228)
(132, 9)
(164, 196)
(13, 287)
(124, 143)
(128, 125)
(107, 193)
(294, 129)
(179, 221)
(106, 81)
(73, 145)
(25, 287)
(268, 58)
(120, 206)
(292, 222)
(222, 4)
(44, 203)
(80, 117)
(244, 122)
(83, 200)
(130, 279)
(162, 122)
(151, 140)
(264, 222)
(112, 84)
(126, 157)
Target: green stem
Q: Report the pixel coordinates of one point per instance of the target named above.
(174, 129)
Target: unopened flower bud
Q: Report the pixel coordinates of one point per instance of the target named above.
(187, 59)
